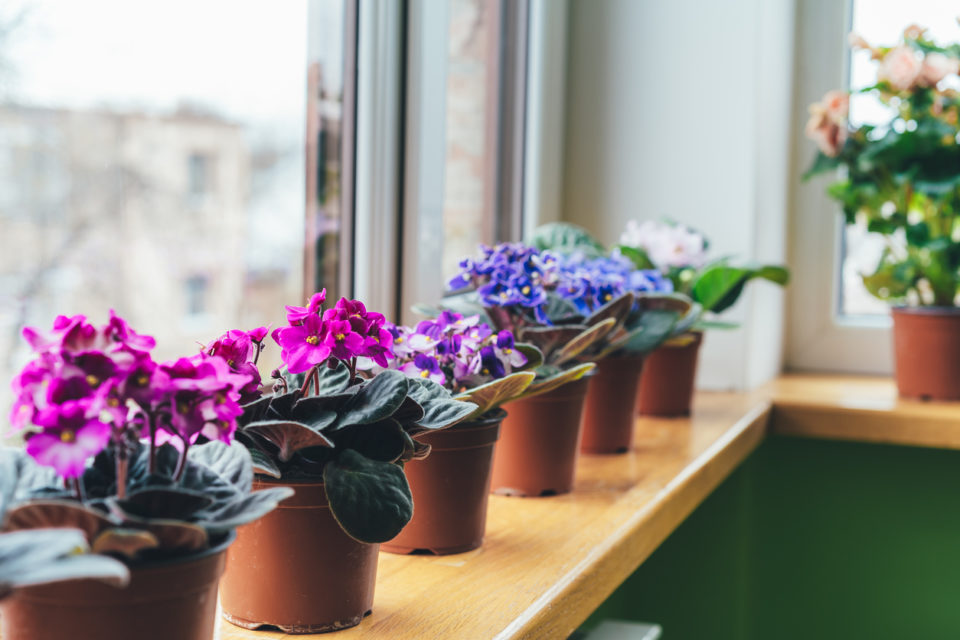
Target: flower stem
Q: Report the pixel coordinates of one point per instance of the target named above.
(256, 356)
(182, 462)
(122, 472)
(313, 374)
(152, 426)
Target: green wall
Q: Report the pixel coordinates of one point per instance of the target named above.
(811, 539)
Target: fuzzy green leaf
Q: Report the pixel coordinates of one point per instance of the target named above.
(289, 436)
(371, 500)
(554, 379)
(494, 393)
(718, 287)
(584, 341)
(376, 399)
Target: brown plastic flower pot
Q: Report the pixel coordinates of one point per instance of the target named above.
(666, 383)
(175, 598)
(611, 406)
(450, 490)
(540, 442)
(926, 344)
(295, 569)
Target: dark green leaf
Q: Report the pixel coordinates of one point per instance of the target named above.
(533, 355)
(244, 509)
(371, 500)
(440, 409)
(381, 441)
(168, 504)
(652, 329)
(263, 463)
(637, 256)
(288, 436)
(230, 463)
(376, 399)
(718, 287)
(617, 309)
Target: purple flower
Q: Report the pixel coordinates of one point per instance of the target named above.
(424, 366)
(68, 439)
(343, 341)
(488, 364)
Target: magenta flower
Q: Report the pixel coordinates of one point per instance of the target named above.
(257, 335)
(343, 341)
(120, 331)
(314, 306)
(303, 346)
(68, 439)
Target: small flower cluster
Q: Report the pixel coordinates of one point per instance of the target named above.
(591, 283)
(508, 274)
(91, 387)
(456, 352)
(347, 331)
(666, 245)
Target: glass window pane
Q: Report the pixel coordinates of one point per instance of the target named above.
(472, 77)
(152, 161)
(880, 22)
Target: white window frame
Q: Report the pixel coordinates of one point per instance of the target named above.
(820, 337)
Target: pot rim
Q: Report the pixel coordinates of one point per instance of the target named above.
(925, 310)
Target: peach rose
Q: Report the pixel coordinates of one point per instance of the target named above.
(900, 67)
(936, 67)
(828, 122)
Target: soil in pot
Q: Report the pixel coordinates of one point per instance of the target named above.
(450, 489)
(167, 599)
(540, 442)
(296, 570)
(926, 344)
(666, 383)
(611, 406)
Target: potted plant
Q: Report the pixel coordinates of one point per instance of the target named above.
(450, 487)
(134, 454)
(339, 439)
(46, 556)
(530, 293)
(900, 179)
(681, 255)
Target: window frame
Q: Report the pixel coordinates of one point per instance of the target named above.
(820, 337)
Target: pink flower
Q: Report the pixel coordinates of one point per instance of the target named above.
(900, 68)
(936, 67)
(303, 346)
(343, 341)
(828, 122)
(258, 334)
(68, 439)
(299, 314)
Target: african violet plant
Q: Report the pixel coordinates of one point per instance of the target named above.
(680, 253)
(44, 556)
(467, 357)
(574, 310)
(131, 452)
(326, 420)
(901, 178)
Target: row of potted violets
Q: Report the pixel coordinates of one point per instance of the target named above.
(176, 479)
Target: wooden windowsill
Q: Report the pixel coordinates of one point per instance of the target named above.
(547, 563)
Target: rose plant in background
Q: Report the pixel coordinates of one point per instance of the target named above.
(901, 179)
(134, 454)
(339, 435)
(477, 365)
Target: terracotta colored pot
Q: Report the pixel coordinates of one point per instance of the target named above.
(450, 490)
(611, 406)
(539, 443)
(926, 343)
(169, 599)
(666, 384)
(295, 569)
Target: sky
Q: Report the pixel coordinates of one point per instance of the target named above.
(245, 58)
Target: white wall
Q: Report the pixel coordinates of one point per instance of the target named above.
(682, 109)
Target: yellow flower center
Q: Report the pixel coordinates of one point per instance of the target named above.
(340, 337)
(230, 362)
(485, 371)
(142, 380)
(313, 340)
(220, 398)
(508, 351)
(424, 374)
(526, 291)
(113, 402)
(607, 297)
(183, 407)
(67, 435)
(93, 380)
